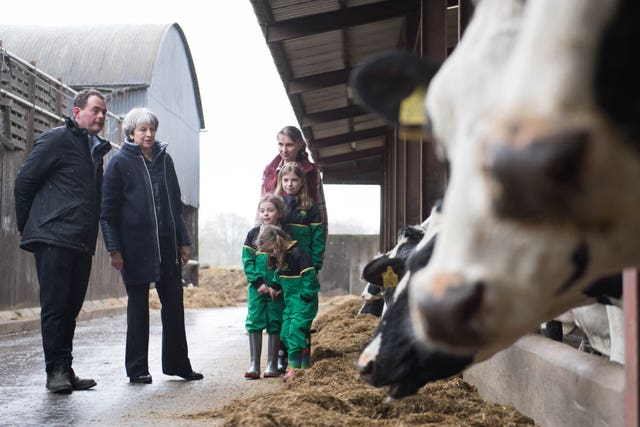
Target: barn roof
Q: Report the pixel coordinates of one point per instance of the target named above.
(315, 45)
(122, 56)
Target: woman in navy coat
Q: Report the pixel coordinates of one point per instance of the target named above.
(148, 242)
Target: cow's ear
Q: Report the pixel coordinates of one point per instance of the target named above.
(393, 85)
(373, 271)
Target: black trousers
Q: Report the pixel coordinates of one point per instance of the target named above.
(63, 275)
(175, 358)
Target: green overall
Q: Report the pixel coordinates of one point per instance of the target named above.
(306, 228)
(300, 289)
(263, 312)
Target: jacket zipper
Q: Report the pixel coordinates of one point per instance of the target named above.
(153, 203)
(173, 219)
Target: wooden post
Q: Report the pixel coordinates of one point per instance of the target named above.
(631, 340)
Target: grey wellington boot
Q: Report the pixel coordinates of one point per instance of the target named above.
(272, 356)
(255, 349)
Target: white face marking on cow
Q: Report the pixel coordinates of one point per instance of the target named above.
(370, 352)
(517, 62)
(394, 252)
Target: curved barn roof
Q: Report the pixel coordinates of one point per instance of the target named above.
(102, 56)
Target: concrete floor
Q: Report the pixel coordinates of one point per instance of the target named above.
(218, 347)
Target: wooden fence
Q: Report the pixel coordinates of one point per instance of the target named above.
(31, 102)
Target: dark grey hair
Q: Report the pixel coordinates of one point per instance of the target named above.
(138, 116)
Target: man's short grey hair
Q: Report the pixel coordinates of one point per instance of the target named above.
(138, 116)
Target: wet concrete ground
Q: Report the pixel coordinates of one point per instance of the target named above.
(218, 348)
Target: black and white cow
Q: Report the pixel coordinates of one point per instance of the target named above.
(393, 358)
(396, 359)
(537, 113)
(601, 323)
(384, 272)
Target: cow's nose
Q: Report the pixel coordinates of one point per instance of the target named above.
(365, 367)
(536, 175)
(451, 317)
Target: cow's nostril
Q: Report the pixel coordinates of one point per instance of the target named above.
(450, 317)
(365, 369)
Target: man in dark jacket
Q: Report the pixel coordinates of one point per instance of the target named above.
(57, 199)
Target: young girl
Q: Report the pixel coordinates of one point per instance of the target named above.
(296, 276)
(265, 304)
(303, 219)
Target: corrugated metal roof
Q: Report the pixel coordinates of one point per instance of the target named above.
(111, 62)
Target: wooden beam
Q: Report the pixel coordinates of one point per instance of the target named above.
(354, 155)
(631, 341)
(320, 23)
(318, 81)
(331, 115)
(434, 29)
(466, 12)
(350, 171)
(350, 137)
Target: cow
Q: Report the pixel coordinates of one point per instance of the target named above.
(394, 358)
(372, 300)
(384, 272)
(536, 112)
(601, 323)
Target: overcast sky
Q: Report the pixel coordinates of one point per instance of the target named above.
(243, 98)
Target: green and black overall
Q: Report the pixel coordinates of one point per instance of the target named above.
(300, 289)
(263, 312)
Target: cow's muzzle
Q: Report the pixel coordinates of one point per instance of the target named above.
(452, 315)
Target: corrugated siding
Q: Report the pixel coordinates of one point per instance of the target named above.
(158, 67)
(170, 96)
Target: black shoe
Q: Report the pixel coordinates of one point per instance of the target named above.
(141, 379)
(78, 383)
(192, 376)
(59, 382)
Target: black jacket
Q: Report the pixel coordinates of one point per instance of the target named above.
(58, 190)
(129, 217)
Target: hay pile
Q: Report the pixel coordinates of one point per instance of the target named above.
(332, 393)
(217, 287)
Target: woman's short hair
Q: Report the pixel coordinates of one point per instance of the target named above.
(138, 116)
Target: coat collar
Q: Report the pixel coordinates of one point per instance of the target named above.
(103, 145)
(159, 148)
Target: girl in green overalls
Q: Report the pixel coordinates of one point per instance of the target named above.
(264, 303)
(296, 276)
(303, 219)
(303, 222)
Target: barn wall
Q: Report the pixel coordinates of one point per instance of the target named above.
(345, 258)
(171, 97)
(20, 123)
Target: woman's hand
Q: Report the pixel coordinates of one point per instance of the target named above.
(185, 253)
(263, 289)
(116, 260)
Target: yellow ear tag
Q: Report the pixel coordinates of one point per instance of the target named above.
(389, 278)
(412, 112)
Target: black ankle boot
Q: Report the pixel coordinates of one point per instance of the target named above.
(59, 381)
